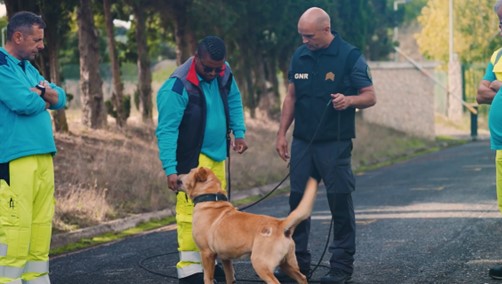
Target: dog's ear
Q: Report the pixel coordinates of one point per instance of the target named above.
(201, 175)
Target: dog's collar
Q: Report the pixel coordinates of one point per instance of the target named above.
(209, 197)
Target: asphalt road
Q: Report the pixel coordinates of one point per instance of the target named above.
(432, 219)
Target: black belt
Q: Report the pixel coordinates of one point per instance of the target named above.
(4, 172)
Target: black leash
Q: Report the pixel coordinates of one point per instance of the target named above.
(289, 164)
(142, 265)
(229, 183)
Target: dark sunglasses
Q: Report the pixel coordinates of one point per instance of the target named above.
(208, 69)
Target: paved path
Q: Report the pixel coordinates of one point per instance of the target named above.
(432, 219)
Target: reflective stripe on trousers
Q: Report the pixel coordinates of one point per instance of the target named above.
(11, 272)
(192, 261)
(190, 256)
(35, 272)
(37, 267)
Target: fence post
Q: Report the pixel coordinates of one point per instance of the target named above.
(474, 124)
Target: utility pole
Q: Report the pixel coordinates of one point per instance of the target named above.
(395, 35)
(454, 75)
(450, 29)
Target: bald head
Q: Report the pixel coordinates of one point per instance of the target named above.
(315, 16)
(315, 28)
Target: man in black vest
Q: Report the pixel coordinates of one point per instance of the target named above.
(328, 80)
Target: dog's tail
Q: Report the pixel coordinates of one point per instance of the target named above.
(304, 209)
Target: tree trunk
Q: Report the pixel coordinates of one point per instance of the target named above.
(272, 96)
(118, 87)
(59, 116)
(144, 72)
(265, 95)
(177, 13)
(53, 45)
(185, 39)
(14, 6)
(251, 103)
(93, 108)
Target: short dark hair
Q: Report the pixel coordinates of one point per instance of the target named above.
(212, 45)
(23, 21)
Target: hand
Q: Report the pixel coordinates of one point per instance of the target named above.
(340, 101)
(240, 145)
(281, 146)
(172, 182)
(36, 90)
(495, 85)
(51, 97)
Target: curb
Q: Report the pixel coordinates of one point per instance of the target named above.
(62, 239)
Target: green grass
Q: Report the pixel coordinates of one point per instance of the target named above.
(162, 72)
(114, 236)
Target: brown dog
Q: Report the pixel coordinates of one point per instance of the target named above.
(219, 230)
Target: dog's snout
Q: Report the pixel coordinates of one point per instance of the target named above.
(179, 182)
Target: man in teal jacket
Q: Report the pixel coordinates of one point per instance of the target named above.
(199, 107)
(26, 149)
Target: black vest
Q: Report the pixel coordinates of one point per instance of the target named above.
(193, 123)
(316, 75)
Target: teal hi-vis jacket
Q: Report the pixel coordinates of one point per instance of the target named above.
(494, 72)
(25, 123)
(194, 116)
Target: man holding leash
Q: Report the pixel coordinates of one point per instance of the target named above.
(328, 80)
(26, 150)
(199, 106)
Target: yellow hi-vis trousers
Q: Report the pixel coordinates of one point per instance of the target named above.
(190, 262)
(26, 211)
(498, 170)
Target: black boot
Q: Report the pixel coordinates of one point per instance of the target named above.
(496, 272)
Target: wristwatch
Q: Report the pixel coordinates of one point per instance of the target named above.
(42, 90)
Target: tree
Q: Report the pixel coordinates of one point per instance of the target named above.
(118, 87)
(56, 15)
(13, 6)
(469, 43)
(177, 12)
(261, 36)
(93, 108)
(144, 72)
